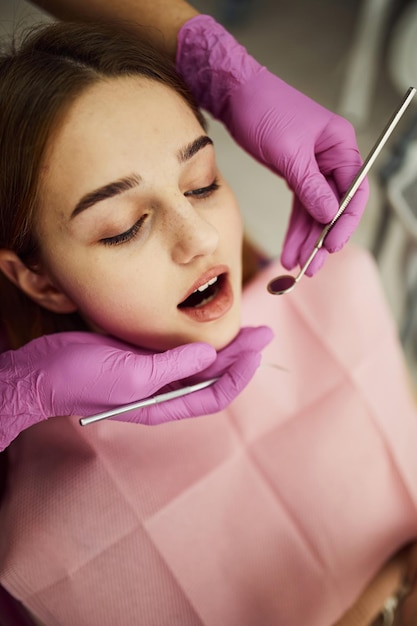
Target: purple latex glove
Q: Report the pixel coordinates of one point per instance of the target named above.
(311, 147)
(78, 373)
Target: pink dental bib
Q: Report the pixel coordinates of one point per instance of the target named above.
(277, 511)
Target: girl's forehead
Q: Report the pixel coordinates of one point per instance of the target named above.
(122, 90)
(114, 113)
(114, 105)
(116, 129)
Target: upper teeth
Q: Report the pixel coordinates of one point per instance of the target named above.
(207, 284)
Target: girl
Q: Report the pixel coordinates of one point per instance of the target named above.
(313, 149)
(280, 509)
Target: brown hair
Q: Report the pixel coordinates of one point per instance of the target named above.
(39, 79)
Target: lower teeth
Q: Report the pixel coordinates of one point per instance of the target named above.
(205, 301)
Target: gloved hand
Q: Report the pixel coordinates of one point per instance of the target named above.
(311, 147)
(78, 373)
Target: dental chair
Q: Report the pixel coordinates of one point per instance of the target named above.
(398, 179)
(398, 185)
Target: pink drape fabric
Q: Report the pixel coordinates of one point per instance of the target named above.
(278, 510)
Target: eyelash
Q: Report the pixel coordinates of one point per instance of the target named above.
(203, 192)
(128, 235)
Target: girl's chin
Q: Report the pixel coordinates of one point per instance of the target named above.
(214, 339)
(218, 335)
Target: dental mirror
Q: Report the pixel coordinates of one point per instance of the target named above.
(286, 283)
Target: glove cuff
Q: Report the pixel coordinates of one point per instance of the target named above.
(212, 63)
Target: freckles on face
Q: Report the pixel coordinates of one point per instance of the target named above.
(135, 217)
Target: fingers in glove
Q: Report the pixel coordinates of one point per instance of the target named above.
(300, 240)
(348, 221)
(110, 377)
(297, 232)
(205, 402)
(249, 339)
(235, 365)
(178, 364)
(315, 194)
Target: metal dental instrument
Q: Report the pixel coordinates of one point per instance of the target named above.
(162, 397)
(286, 283)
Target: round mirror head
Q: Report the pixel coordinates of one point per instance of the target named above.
(281, 284)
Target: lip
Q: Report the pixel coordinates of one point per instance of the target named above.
(217, 307)
(204, 278)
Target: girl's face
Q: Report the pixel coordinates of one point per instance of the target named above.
(136, 225)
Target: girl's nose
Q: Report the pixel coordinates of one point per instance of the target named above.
(192, 235)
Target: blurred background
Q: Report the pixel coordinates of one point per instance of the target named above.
(357, 58)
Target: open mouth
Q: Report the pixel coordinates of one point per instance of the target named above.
(204, 294)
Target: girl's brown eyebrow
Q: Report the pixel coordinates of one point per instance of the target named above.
(189, 151)
(129, 182)
(107, 191)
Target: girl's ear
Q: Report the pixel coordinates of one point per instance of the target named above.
(36, 285)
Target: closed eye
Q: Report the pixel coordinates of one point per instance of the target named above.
(127, 236)
(203, 192)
